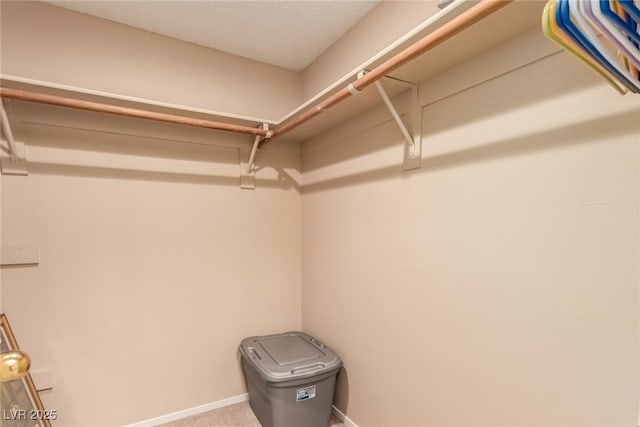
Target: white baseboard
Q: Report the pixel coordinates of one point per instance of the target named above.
(191, 411)
(152, 422)
(348, 422)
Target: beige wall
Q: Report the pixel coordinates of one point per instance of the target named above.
(387, 22)
(154, 264)
(497, 285)
(49, 43)
(56, 45)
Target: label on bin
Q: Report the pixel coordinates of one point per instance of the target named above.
(306, 393)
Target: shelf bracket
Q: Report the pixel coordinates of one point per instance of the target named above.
(413, 139)
(16, 163)
(247, 169)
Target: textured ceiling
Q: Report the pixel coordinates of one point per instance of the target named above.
(289, 34)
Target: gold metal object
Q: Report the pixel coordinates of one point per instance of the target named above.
(13, 365)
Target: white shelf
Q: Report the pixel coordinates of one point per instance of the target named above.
(513, 20)
(509, 22)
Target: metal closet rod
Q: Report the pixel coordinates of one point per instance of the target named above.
(431, 40)
(458, 24)
(42, 98)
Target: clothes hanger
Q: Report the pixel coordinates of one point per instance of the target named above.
(552, 31)
(617, 7)
(631, 9)
(563, 18)
(630, 30)
(567, 26)
(583, 16)
(592, 8)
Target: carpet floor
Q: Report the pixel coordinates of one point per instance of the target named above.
(238, 415)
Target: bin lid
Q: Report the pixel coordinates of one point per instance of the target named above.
(288, 356)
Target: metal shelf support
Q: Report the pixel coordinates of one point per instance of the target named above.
(16, 163)
(412, 132)
(247, 170)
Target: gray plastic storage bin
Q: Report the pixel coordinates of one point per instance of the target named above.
(290, 378)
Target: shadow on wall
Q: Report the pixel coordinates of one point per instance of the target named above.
(490, 97)
(112, 135)
(595, 130)
(284, 181)
(341, 396)
(95, 153)
(76, 143)
(240, 368)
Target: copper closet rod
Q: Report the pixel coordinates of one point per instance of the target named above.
(441, 34)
